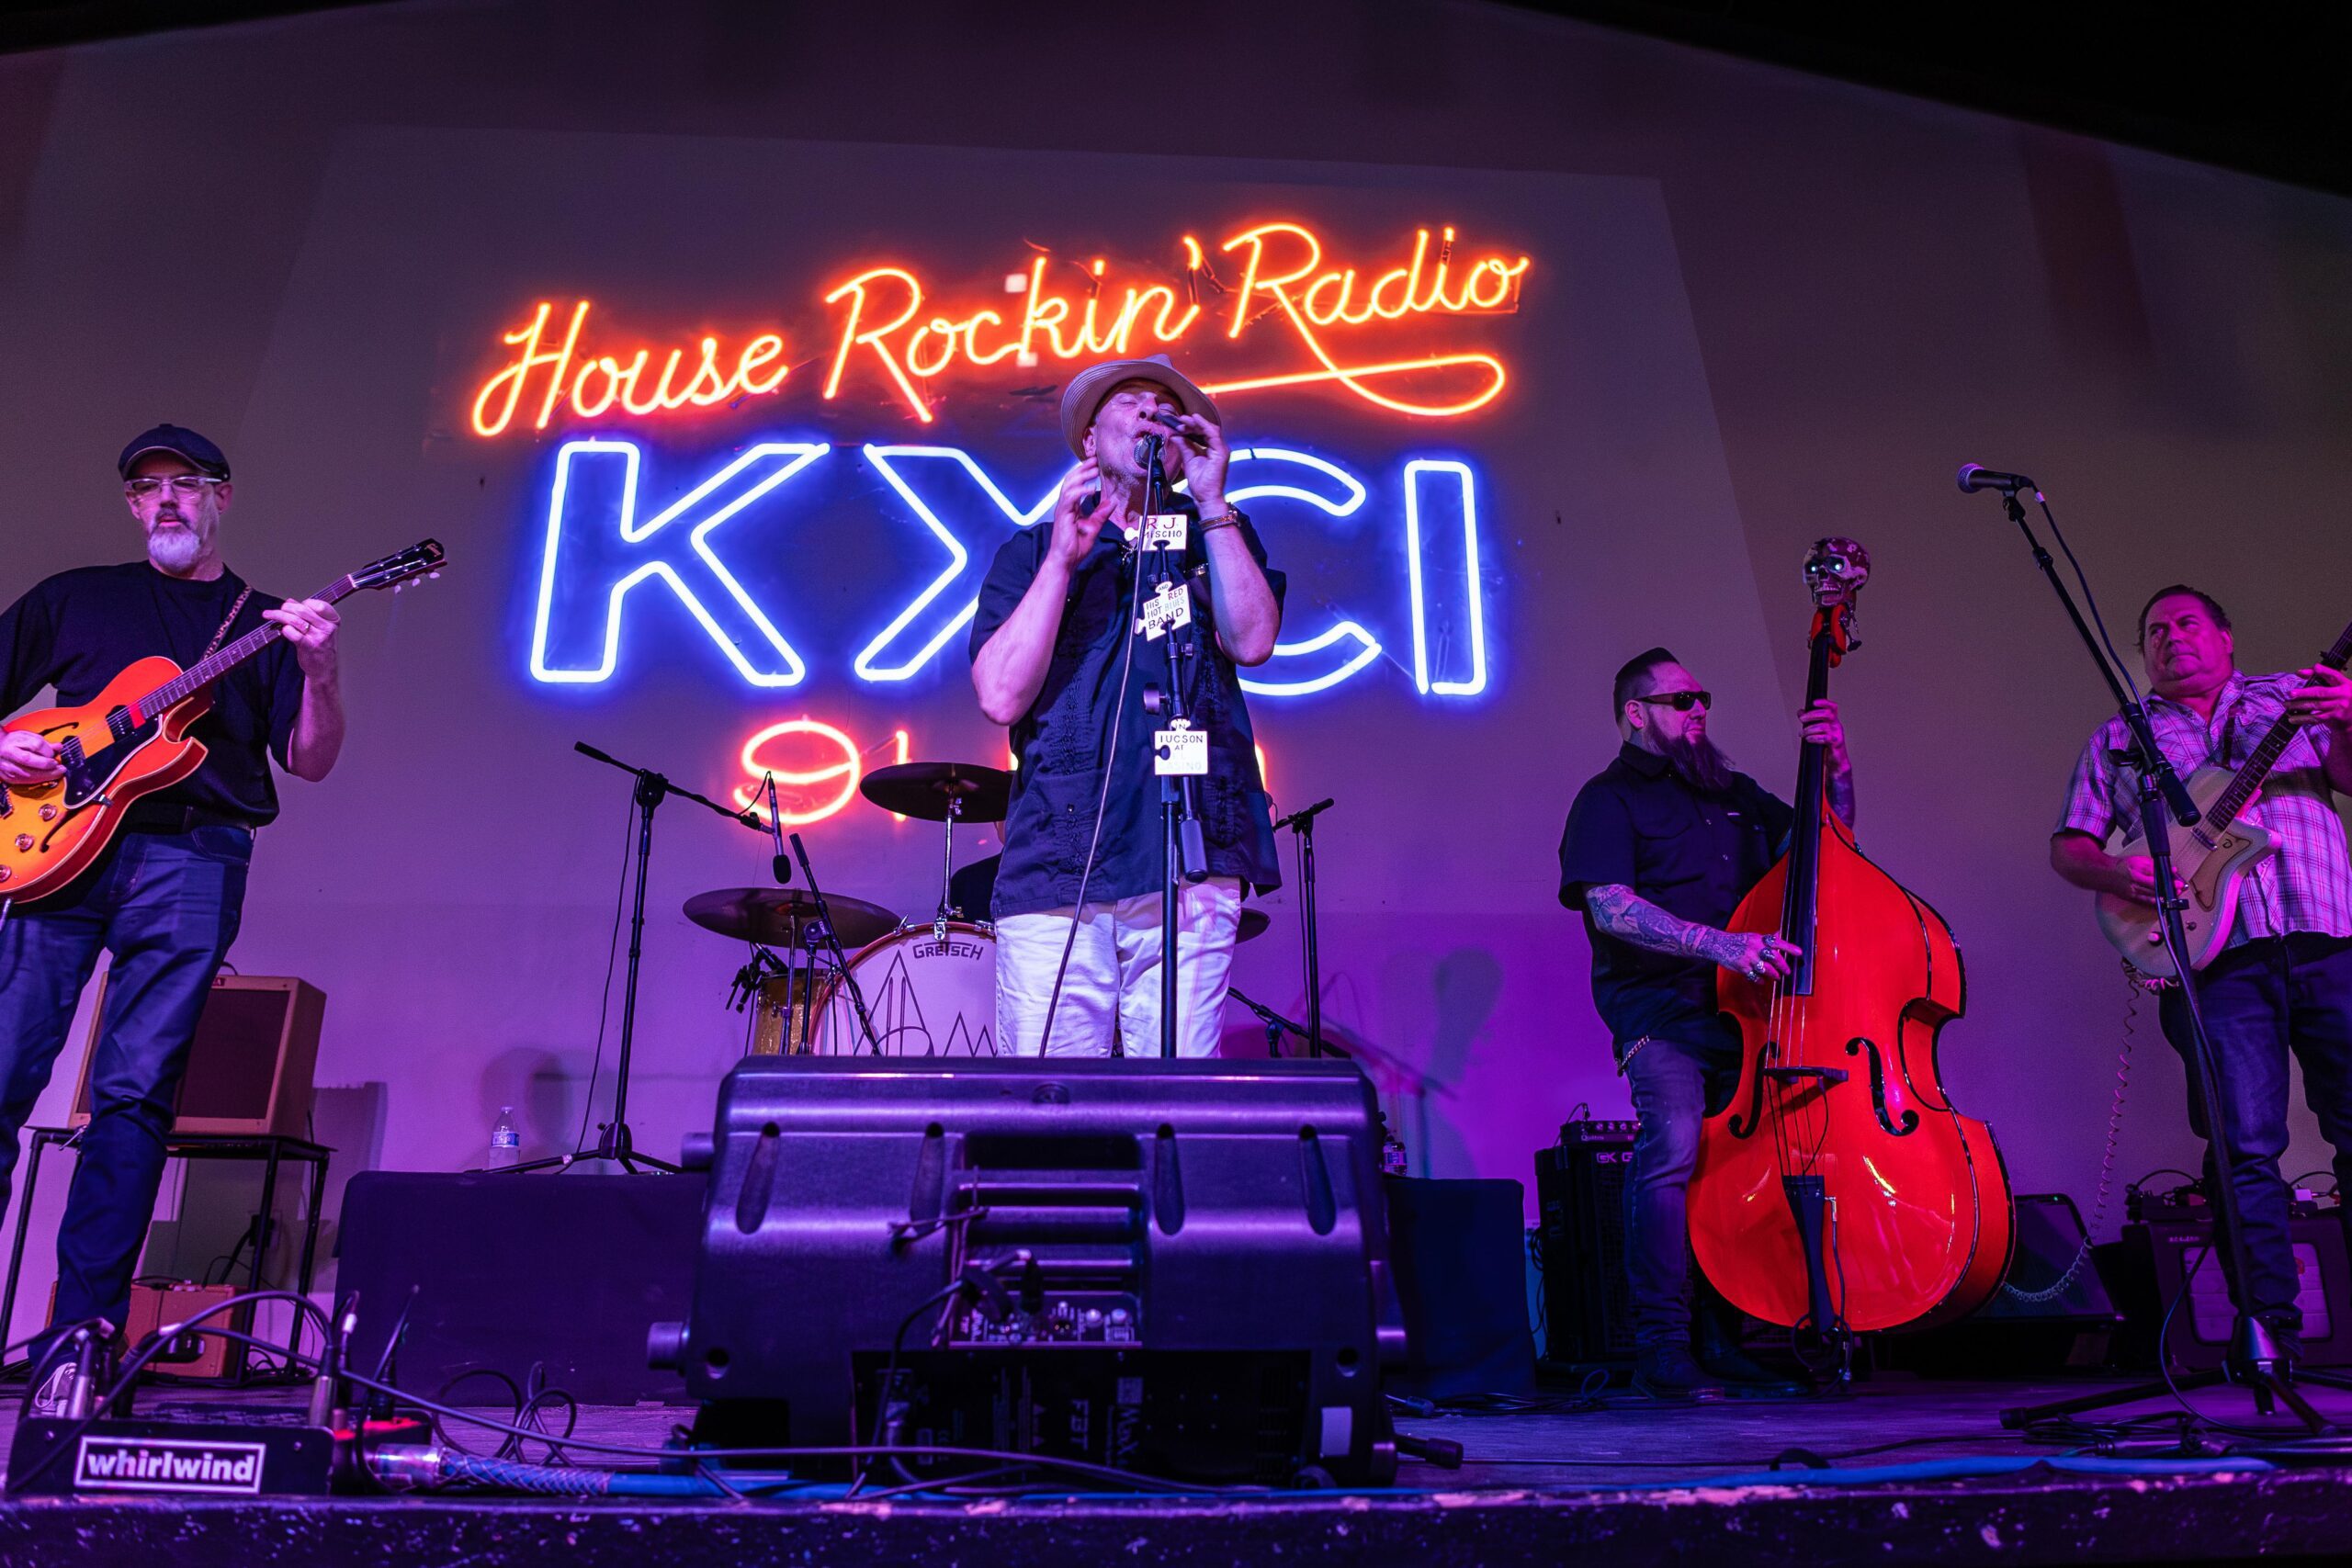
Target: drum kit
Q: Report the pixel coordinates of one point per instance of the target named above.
(929, 985)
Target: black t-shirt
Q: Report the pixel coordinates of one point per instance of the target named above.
(1063, 738)
(77, 630)
(973, 888)
(1639, 824)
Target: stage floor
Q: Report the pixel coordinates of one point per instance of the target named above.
(1627, 1475)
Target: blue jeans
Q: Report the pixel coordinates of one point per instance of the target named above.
(1676, 1086)
(2261, 1000)
(167, 907)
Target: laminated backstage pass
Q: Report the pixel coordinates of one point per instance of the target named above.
(1159, 528)
(1180, 750)
(1165, 611)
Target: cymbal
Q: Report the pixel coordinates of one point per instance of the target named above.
(1254, 923)
(777, 917)
(923, 789)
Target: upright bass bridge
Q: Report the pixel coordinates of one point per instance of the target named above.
(1788, 1075)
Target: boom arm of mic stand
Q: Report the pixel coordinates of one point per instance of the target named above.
(2135, 717)
(833, 946)
(648, 779)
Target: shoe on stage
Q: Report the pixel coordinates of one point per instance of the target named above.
(1742, 1374)
(1666, 1371)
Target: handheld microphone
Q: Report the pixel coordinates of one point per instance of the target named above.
(781, 865)
(1975, 477)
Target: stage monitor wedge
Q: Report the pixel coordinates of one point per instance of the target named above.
(1186, 1264)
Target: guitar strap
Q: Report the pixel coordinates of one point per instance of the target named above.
(229, 620)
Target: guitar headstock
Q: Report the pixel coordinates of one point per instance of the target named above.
(1835, 569)
(424, 558)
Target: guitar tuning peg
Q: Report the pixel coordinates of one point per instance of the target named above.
(433, 576)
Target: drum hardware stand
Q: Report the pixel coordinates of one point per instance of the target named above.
(948, 910)
(1184, 852)
(2253, 1362)
(1301, 823)
(1276, 1024)
(613, 1142)
(823, 930)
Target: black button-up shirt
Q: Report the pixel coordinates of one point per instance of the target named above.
(1061, 742)
(1639, 824)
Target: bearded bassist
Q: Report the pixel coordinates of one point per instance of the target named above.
(2282, 984)
(166, 895)
(1659, 849)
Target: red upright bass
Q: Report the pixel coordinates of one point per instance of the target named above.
(1839, 1190)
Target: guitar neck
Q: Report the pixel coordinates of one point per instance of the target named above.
(206, 671)
(2275, 741)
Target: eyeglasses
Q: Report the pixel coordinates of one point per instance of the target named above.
(1680, 702)
(185, 486)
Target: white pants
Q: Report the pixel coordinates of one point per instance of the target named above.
(1114, 979)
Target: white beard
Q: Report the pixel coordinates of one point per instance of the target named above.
(174, 549)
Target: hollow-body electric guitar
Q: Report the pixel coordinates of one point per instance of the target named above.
(132, 740)
(2211, 857)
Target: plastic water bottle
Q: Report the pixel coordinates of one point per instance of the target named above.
(505, 1143)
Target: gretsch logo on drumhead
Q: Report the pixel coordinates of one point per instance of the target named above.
(957, 977)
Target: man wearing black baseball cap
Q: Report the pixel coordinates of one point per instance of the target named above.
(1057, 655)
(165, 897)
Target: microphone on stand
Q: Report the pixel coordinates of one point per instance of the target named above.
(1975, 477)
(781, 865)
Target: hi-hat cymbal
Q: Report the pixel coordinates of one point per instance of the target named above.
(1254, 922)
(776, 916)
(923, 789)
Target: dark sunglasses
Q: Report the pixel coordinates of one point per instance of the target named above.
(1681, 702)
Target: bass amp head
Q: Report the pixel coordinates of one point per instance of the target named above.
(1180, 1268)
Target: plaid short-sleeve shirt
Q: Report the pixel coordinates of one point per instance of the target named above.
(2307, 884)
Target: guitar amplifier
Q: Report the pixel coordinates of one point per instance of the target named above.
(249, 1070)
(1580, 1194)
(2154, 1257)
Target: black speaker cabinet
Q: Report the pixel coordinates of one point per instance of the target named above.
(1580, 1196)
(1186, 1264)
(249, 1070)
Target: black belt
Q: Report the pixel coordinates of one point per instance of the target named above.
(155, 817)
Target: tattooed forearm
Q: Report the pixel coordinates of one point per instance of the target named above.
(1629, 917)
(1841, 795)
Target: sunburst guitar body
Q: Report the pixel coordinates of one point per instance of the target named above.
(2210, 862)
(51, 832)
(132, 740)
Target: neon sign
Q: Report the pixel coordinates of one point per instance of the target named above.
(887, 326)
(596, 552)
(768, 751)
(727, 615)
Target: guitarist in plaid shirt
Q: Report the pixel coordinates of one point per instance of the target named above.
(2284, 983)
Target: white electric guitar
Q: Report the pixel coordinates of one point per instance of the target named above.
(2212, 855)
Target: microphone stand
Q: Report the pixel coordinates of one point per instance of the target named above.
(2253, 1360)
(614, 1141)
(1184, 852)
(1302, 824)
(834, 946)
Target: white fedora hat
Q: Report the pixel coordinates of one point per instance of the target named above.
(1090, 386)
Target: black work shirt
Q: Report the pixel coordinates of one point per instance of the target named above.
(77, 630)
(1061, 743)
(1639, 824)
